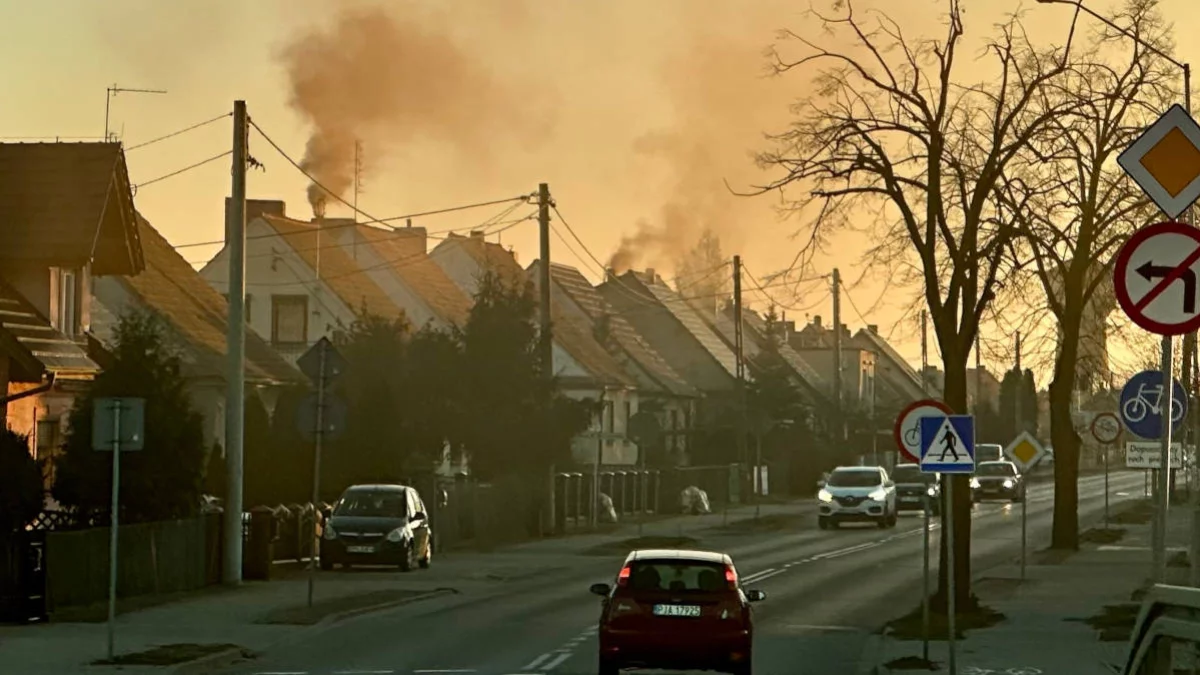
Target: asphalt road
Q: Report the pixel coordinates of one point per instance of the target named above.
(827, 590)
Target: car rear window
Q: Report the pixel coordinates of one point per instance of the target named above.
(678, 576)
(372, 504)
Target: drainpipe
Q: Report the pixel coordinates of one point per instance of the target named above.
(40, 389)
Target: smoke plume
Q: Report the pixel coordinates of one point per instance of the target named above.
(392, 82)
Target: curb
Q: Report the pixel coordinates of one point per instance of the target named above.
(224, 659)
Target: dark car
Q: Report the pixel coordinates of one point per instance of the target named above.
(997, 480)
(915, 490)
(377, 525)
(676, 610)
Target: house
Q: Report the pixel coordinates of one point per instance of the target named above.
(583, 368)
(815, 388)
(899, 382)
(196, 317)
(689, 346)
(301, 284)
(68, 220)
(660, 388)
(814, 343)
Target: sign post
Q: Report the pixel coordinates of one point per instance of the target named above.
(1025, 451)
(647, 433)
(948, 447)
(1144, 400)
(907, 434)
(1106, 429)
(117, 423)
(321, 417)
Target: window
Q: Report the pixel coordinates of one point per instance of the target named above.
(628, 414)
(678, 576)
(67, 308)
(289, 319)
(373, 504)
(608, 417)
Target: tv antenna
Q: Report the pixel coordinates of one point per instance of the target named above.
(112, 91)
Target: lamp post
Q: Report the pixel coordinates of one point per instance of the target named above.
(1160, 534)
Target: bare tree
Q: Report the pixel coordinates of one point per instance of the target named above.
(891, 130)
(1075, 208)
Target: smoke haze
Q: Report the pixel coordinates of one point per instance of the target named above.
(393, 81)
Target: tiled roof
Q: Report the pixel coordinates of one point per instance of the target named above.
(68, 203)
(419, 272)
(695, 325)
(815, 384)
(338, 270)
(491, 257)
(36, 344)
(909, 379)
(574, 284)
(198, 313)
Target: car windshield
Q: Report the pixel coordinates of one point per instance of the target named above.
(995, 469)
(854, 478)
(372, 504)
(910, 474)
(677, 576)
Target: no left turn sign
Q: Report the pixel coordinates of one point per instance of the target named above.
(1157, 276)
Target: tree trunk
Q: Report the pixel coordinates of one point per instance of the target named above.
(955, 395)
(1064, 440)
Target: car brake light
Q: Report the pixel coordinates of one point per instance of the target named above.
(623, 576)
(731, 577)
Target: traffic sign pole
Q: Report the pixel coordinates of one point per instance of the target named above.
(1164, 471)
(948, 529)
(112, 528)
(925, 581)
(316, 494)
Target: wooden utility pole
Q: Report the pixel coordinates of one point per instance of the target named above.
(740, 355)
(235, 376)
(839, 421)
(546, 334)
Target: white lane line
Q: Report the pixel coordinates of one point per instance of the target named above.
(556, 662)
(283, 672)
(443, 670)
(767, 576)
(825, 629)
(756, 575)
(532, 665)
(380, 672)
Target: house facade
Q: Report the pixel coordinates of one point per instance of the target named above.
(69, 219)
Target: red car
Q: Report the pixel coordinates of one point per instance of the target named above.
(679, 610)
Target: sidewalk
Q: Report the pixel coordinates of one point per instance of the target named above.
(222, 622)
(1071, 614)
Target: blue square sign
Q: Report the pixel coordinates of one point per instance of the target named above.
(948, 444)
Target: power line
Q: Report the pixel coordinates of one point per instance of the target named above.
(181, 131)
(185, 169)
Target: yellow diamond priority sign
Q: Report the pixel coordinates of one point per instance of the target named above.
(1165, 161)
(1025, 451)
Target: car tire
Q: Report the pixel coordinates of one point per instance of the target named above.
(326, 564)
(823, 522)
(609, 667)
(427, 559)
(892, 519)
(406, 563)
(883, 521)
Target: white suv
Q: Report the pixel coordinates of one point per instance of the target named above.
(857, 493)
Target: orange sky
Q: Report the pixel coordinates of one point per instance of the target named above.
(628, 109)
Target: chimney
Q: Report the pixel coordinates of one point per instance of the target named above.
(477, 234)
(412, 240)
(873, 329)
(408, 222)
(256, 208)
(816, 321)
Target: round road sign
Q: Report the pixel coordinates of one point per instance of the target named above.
(907, 431)
(1156, 278)
(1106, 428)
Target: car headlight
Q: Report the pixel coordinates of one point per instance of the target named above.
(329, 534)
(825, 496)
(878, 495)
(1007, 484)
(975, 483)
(396, 535)
(931, 492)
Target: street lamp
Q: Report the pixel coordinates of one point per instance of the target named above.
(1167, 369)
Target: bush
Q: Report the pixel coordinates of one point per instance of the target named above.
(22, 495)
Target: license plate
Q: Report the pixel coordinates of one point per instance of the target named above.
(677, 610)
(360, 549)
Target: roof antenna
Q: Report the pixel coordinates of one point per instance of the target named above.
(111, 93)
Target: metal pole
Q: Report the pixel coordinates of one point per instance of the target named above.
(596, 469)
(235, 408)
(1164, 471)
(758, 477)
(1106, 453)
(315, 553)
(948, 532)
(1024, 537)
(112, 527)
(925, 581)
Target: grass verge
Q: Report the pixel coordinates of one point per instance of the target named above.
(1113, 622)
(307, 616)
(910, 626)
(167, 655)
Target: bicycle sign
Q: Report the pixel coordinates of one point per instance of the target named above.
(907, 431)
(1142, 401)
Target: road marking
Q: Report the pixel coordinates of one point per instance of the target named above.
(557, 661)
(283, 672)
(757, 575)
(386, 672)
(827, 629)
(532, 665)
(447, 670)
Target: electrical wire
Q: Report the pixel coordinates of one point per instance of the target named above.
(181, 131)
(185, 169)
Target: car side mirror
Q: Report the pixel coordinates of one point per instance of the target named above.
(756, 596)
(889, 484)
(820, 484)
(600, 589)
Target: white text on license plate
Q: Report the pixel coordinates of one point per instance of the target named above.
(360, 549)
(677, 610)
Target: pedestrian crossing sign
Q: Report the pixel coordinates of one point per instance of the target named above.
(948, 444)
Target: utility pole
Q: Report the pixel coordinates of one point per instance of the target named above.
(235, 407)
(545, 336)
(839, 424)
(1020, 386)
(740, 354)
(978, 375)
